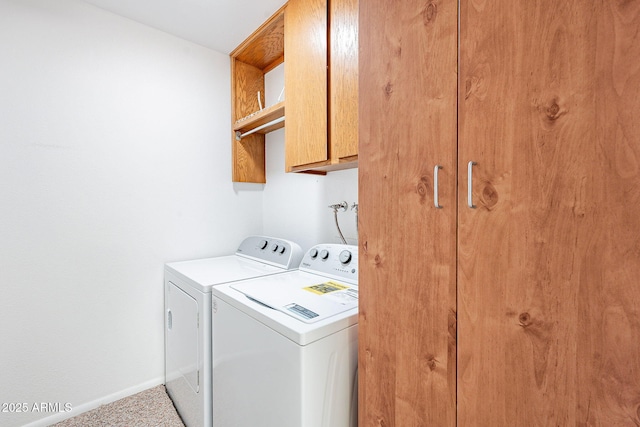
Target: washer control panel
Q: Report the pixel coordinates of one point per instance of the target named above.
(270, 250)
(332, 260)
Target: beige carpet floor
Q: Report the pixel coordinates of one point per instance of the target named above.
(148, 408)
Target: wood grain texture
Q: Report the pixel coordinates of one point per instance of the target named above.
(249, 159)
(548, 263)
(407, 125)
(306, 82)
(247, 81)
(262, 117)
(258, 54)
(264, 49)
(343, 79)
(248, 156)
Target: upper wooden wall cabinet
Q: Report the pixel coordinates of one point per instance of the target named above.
(256, 56)
(321, 81)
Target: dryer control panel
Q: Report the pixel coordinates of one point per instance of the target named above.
(277, 252)
(332, 260)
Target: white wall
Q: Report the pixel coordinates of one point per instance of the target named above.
(114, 158)
(296, 204)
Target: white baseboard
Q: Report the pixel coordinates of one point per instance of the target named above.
(85, 407)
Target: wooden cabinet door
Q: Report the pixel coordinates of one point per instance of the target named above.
(305, 68)
(343, 81)
(321, 80)
(549, 260)
(407, 125)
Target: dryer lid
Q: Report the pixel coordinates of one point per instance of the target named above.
(202, 274)
(306, 303)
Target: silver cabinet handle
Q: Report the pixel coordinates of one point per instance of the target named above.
(470, 184)
(169, 320)
(435, 186)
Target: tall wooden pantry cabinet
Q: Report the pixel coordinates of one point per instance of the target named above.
(499, 174)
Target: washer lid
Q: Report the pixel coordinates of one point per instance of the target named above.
(306, 303)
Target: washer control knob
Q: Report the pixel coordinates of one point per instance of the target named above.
(345, 257)
(313, 253)
(274, 247)
(282, 249)
(324, 254)
(263, 244)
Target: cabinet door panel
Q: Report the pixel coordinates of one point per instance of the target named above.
(306, 82)
(548, 262)
(407, 125)
(343, 81)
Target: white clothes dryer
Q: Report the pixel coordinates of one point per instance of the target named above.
(285, 347)
(188, 284)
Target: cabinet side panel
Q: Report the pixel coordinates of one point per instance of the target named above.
(249, 159)
(407, 126)
(247, 82)
(248, 155)
(549, 318)
(306, 82)
(343, 79)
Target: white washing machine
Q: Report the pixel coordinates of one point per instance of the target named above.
(188, 284)
(285, 347)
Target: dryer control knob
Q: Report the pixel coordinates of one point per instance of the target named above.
(274, 248)
(263, 244)
(324, 254)
(345, 257)
(282, 249)
(313, 253)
